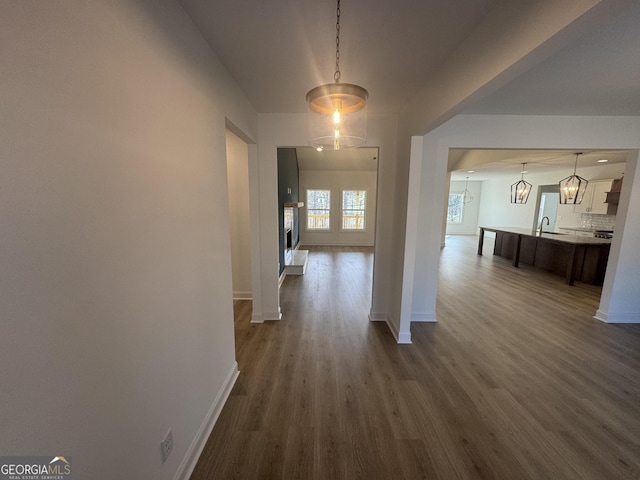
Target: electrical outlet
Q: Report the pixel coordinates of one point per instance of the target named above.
(166, 446)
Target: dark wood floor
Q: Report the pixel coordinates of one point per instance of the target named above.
(515, 381)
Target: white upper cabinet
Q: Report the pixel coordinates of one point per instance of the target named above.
(595, 197)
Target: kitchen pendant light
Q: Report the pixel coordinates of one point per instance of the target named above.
(337, 116)
(573, 187)
(521, 189)
(466, 195)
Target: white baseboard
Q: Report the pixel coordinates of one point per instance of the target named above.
(401, 337)
(617, 317)
(272, 316)
(377, 316)
(190, 459)
(337, 244)
(265, 316)
(404, 338)
(423, 317)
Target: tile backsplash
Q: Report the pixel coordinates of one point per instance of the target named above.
(597, 221)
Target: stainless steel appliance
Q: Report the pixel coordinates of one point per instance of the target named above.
(603, 233)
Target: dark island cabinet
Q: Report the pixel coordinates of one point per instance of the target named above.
(582, 259)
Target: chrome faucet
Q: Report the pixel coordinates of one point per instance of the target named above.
(541, 222)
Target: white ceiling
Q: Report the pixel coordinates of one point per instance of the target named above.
(597, 75)
(278, 50)
(486, 163)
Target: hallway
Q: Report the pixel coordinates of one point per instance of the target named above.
(516, 380)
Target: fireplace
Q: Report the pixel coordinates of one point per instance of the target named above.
(288, 235)
(295, 261)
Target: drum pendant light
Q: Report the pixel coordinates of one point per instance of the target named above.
(337, 116)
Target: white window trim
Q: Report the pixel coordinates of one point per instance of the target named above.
(366, 210)
(306, 211)
(463, 209)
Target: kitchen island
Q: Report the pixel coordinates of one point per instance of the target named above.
(577, 257)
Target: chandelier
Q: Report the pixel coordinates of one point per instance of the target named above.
(337, 115)
(466, 195)
(573, 187)
(521, 189)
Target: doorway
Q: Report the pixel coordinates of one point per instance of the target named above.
(239, 216)
(547, 206)
(337, 194)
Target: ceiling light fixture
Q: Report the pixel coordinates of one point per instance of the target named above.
(603, 160)
(521, 189)
(337, 111)
(573, 187)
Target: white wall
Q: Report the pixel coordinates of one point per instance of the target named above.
(115, 293)
(239, 221)
(336, 182)
(497, 211)
(469, 225)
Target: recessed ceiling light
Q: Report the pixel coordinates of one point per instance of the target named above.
(318, 149)
(470, 171)
(603, 160)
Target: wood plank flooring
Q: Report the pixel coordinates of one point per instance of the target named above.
(515, 381)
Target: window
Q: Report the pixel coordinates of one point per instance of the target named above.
(353, 209)
(454, 211)
(318, 209)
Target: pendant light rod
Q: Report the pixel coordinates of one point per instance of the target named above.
(336, 75)
(575, 164)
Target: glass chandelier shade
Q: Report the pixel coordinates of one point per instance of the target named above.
(572, 188)
(521, 189)
(337, 116)
(337, 113)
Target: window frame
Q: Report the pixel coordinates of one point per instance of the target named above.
(462, 209)
(307, 209)
(364, 210)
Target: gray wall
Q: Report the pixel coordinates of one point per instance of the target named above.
(115, 294)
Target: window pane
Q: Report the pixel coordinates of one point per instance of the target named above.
(353, 209)
(454, 212)
(318, 209)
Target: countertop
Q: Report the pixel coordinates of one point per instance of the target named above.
(556, 237)
(578, 229)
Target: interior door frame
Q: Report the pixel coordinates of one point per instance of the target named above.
(555, 188)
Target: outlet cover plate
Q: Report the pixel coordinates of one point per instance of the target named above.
(166, 446)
